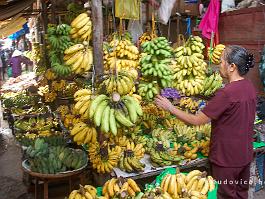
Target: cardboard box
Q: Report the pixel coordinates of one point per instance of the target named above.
(191, 9)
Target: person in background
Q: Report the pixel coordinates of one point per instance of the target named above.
(15, 61)
(232, 113)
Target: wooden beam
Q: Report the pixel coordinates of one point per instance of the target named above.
(97, 20)
(53, 17)
(44, 15)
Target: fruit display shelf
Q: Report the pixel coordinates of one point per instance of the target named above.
(150, 170)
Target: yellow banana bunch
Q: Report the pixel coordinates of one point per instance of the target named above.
(43, 90)
(104, 158)
(83, 100)
(188, 103)
(84, 192)
(49, 75)
(146, 37)
(83, 133)
(81, 27)
(79, 57)
(215, 53)
(58, 85)
(194, 185)
(119, 187)
(189, 68)
(152, 109)
(122, 83)
(121, 54)
(121, 141)
(49, 96)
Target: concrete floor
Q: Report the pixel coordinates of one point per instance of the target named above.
(11, 175)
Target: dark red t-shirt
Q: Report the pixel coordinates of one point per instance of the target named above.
(232, 112)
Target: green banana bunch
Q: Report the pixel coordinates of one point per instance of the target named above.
(111, 114)
(212, 83)
(158, 47)
(196, 44)
(148, 90)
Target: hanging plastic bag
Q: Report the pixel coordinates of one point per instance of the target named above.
(136, 29)
(129, 9)
(165, 10)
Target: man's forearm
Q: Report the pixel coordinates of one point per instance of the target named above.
(197, 119)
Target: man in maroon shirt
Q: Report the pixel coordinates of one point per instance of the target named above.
(232, 114)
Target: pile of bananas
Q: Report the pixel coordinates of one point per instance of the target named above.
(152, 109)
(81, 27)
(189, 104)
(196, 44)
(130, 159)
(79, 57)
(112, 113)
(212, 84)
(141, 139)
(215, 53)
(122, 83)
(189, 68)
(160, 156)
(58, 37)
(50, 75)
(146, 37)
(116, 188)
(68, 116)
(121, 141)
(59, 40)
(155, 61)
(105, 157)
(83, 100)
(58, 85)
(188, 151)
(121, 54)
(193, 185)
(156, 193)
(49, 96)
(85, 192)
(47, 159)
(165, 136)
(34, 124)
(148, 90)
(83, 133)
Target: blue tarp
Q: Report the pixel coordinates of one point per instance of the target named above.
(23, 31)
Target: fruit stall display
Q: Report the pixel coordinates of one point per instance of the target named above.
(112, 122)
(193, 185)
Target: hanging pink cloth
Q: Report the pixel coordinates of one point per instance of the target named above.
(210, 20)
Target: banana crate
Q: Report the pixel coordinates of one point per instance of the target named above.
(210, 194)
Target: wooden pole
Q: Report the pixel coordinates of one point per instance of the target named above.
(53, 17)
(97, 20)
(44, 15)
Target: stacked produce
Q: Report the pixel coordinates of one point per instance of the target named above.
(189, 104)
(212, 84)
(49, 159)
(155, 67)
(83, 100)
(116, 188)
(34, 110)
(104, 157)
(121, 54)
(83, 133)
(59, 40)
(193, 185)
(79, 57)
(68, 116)
(162, 156)
(122, 83)
(157, 193)
(35, 124)
(214, 54)
(85, 192)
(146, 37)
(111, 113)
(189, 68)
(130, 159)
(18, 100)
(81, 27)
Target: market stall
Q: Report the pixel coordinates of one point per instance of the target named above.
(90, 105)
